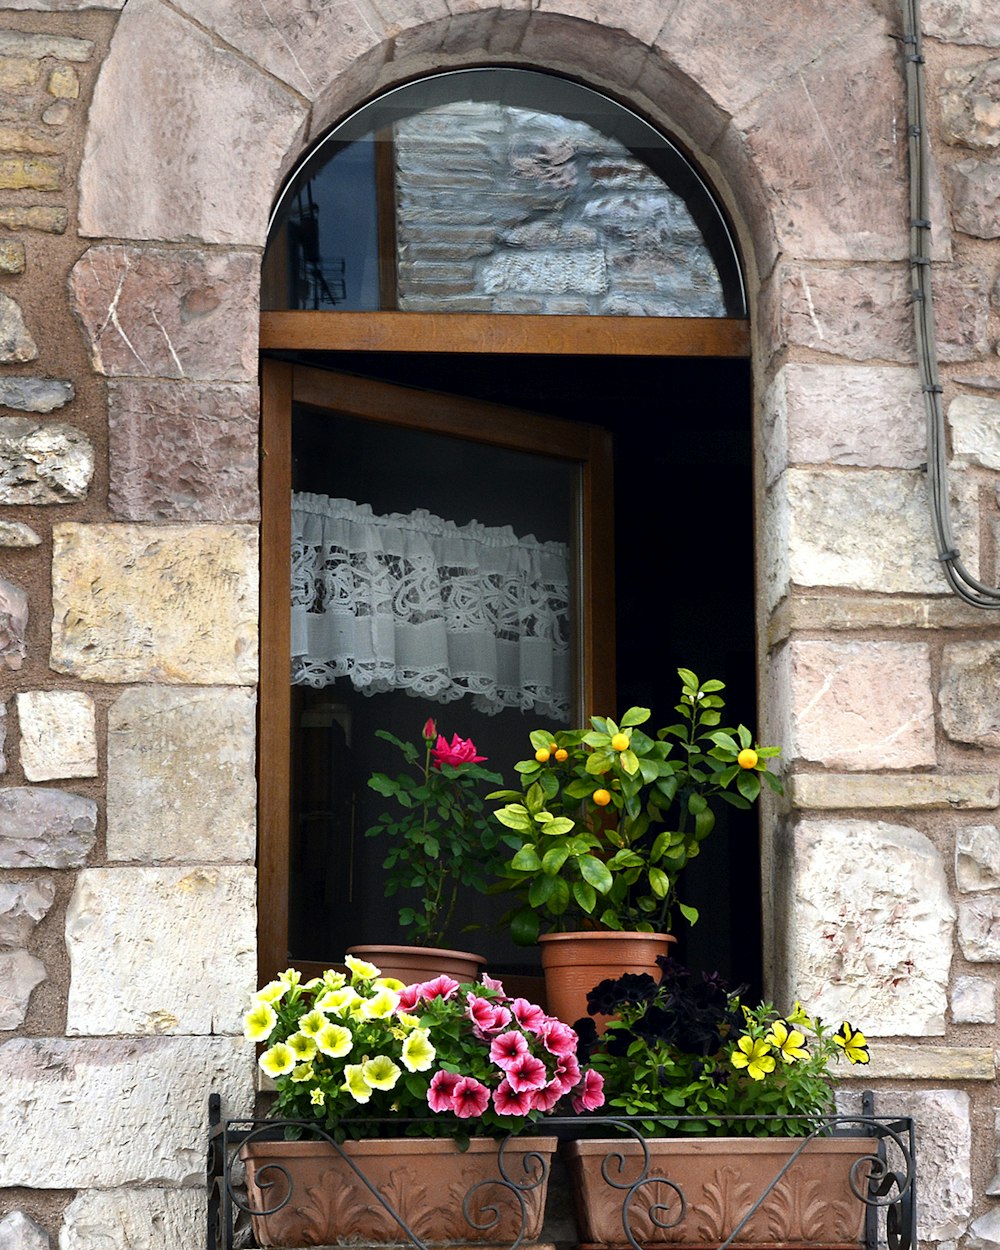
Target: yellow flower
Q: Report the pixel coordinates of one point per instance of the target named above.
(798, 1016)
(390, 983)
(278, 1061)
(362, 969)
(789, 1043)
(408, 1021)
(381, 1072)
(418, 1051)
(259, 1022)
(355, 1083)
(312, 1022)
(302, 1072)
(290, 978)
(853, 1041)
(333, 980)
(313, 984)
(338, 1002)
(754, 1055)
(303, 1046)
(317, 1097)
(270, 993)
(334, 1040)
(380, 1006)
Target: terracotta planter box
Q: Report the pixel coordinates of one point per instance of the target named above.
(721, 1179)
(315, 1197)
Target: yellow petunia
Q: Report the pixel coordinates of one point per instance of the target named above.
(380, 1006)
(789, 1043)
(853, 1042)
(259, 1022)
(317, 1097)
(290, 978)
(335, 1041)
(302, 1072)
(303, 1045)
(355, 1083)
(312, 1022)
(270, 993)
(338, 1002)
(418, 1051)
(381, 1072)
(408, 1021)
(390, 983)
(333, 980)
(278, 1061)
(362, 969)
(754, 1054)
(798, 1016)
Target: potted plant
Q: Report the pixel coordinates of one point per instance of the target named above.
(748, 1079)
(410, 1087)
(441, 842)
(605, 822)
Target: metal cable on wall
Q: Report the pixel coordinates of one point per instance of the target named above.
(959, 578)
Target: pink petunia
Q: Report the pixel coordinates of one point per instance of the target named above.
(492, 983)
(441, 1094)
(545, 1099)
(526, 1072)
(567, 1072)
(440, 987)
(508, 1101)
(592, 1095)
(409, 996)
(470, 1098)
(458, 751)
(488, 1017)
(508, 1048)
(558, 1038)
(529, 1016)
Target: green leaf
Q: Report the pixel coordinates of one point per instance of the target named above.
(541, 890)
(688, 678)
(629, 762)
(659, 882)
(712, 685)
(557, 825)
(690, 914)
(514, 816)
(585, 895)
(748, 784)
(524, 927)
(746, 738)
(722, 738)
(526, 860)
(554, 858)
(596, 873)
(635, 716)
(599, 762)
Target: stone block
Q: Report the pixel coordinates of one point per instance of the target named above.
(975, 437)
(3, 737)
(12, 256)
(181, 784)
(867, 416)
(831, 612)
(925, 1063)
(34, 217)
(148, 312)
(977, 858)
(16, 343)
(57, 114)
(870, 926)
(134, 1219)
(183, 451)
(860, 529)
(58, 734)
(970, 104)
(26, 139)
(13, 625)
(35, 394)
(17, 534)
(18, 72)
(216, 181)
(833, 691)
(23, 904)
(20, 973)
(969, 695)
(943, 1125)
(64, 83)
(107, 1136)
(38, 46)
(43, 462)
(919, 791)
(145, 947)
(979, 929)
(18, 1231)
(973, 1001)
(174, 604)
(45, 828)
(975, 197)
(30, 173)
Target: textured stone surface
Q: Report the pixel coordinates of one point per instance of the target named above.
(49, 220)
(215, 181)
(58, 734)
(832, 688)
(944, 1154)
(183, 451)
(43, 462)
(979, 928)
(844, 414)
(927, 1063)
(17, 534)
(866, 943)
(975, 430)
(970, 104)
(3, 737)
(107, 1135)
(13, 625)
(977, 858)
(134, 1219)
(35, 394)
(973, 1001)
(11, 256)
(866, 530)
(835, 612)
(16, 343)
(181, 783)
(45, 828)
(155, 603)
(948, 791)
(20, 973)
(23, 904)
(149, 312)
(131, 976)
(975, 197)
(969, 695)
(37, 46)
(18, 1231)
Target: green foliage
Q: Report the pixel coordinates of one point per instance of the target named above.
(613, 861)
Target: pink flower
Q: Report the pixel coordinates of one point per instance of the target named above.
(545, 1099)
(440, 987)
(409, 996)
(567, 1072)
(492, 984)
(529, 1016)
(430, 730)
(441, 1094)
(508, 1048)
(470, 1097)
(592, 1096)
(460, 751)
(558, 1038)
(512, 1102)
(526, 1072)
(488, 1017)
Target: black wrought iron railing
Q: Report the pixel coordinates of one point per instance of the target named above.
(652, 1205)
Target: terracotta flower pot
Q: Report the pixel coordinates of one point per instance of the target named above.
(575, 962)
(309, 1194)
(721, 1179)
(421, 963)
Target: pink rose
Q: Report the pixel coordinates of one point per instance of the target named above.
(461, 751)
(430, 730)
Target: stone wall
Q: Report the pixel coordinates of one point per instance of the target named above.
(141, 146)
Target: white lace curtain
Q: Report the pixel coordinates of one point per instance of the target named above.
(420, 604)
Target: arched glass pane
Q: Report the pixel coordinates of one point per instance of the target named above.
(500, 191)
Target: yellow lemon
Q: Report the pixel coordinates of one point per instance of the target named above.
(542, 755)
(602, 798)
(619, 742)
(747, 758)
(562, 754)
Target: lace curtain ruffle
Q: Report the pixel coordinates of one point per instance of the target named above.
(420, 604)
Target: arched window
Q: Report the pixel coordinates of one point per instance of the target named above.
(507, 453)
